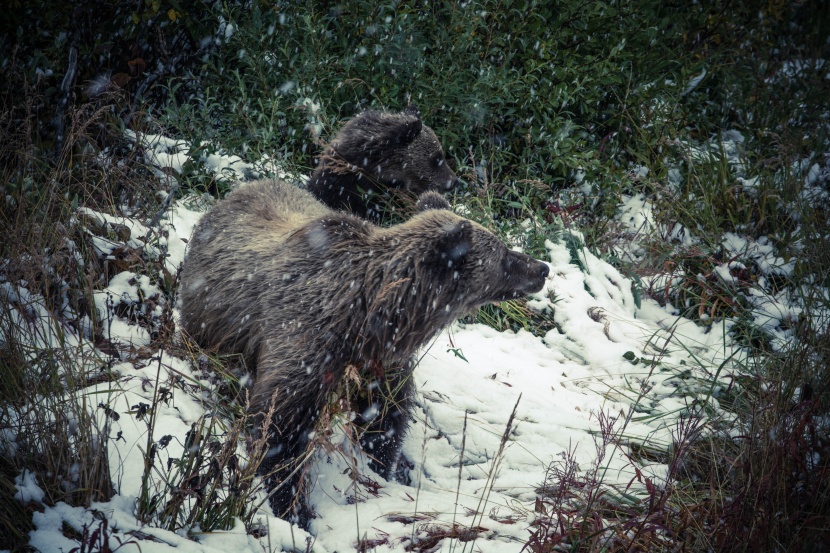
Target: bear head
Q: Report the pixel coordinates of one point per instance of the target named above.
(439, 267)
(412, 279)
(380, 162)
(396, 149)
(480, 268)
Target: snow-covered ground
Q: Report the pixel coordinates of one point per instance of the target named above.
(611, 353)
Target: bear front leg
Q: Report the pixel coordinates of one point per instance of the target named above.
(386, 420)
(285, 476)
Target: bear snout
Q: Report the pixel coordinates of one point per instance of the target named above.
(525, 274)
(537, 274)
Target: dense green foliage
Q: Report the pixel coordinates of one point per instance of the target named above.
(525, 95)
(524, 91)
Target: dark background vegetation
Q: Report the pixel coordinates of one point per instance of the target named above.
(522, 93)
(529, 99)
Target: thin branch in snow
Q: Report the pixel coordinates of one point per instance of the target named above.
(157, 217)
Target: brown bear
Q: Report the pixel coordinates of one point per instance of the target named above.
(378, 161)
(308, 294)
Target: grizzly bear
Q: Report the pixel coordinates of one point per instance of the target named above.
(380, 162)
(310, 296)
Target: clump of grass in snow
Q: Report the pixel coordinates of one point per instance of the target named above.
(210, 484)
(99, 537)
(47, 314)
(578, 511)
(54, 341)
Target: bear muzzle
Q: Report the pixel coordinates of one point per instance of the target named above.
(524, 275)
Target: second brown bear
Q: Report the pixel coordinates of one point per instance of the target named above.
(379, 162)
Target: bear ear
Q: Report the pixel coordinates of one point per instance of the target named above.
(412, 109)
(431, 200)
(411, 125)
(454, 243)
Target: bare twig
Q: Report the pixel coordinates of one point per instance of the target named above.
(66, 91)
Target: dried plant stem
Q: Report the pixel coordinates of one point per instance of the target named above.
(491, 478)
(460, 466)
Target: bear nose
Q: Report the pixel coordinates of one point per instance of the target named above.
(544, 270)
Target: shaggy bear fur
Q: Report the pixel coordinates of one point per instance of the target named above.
(379, 161)
(308, 294)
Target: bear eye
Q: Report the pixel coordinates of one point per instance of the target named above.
(439, 161)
